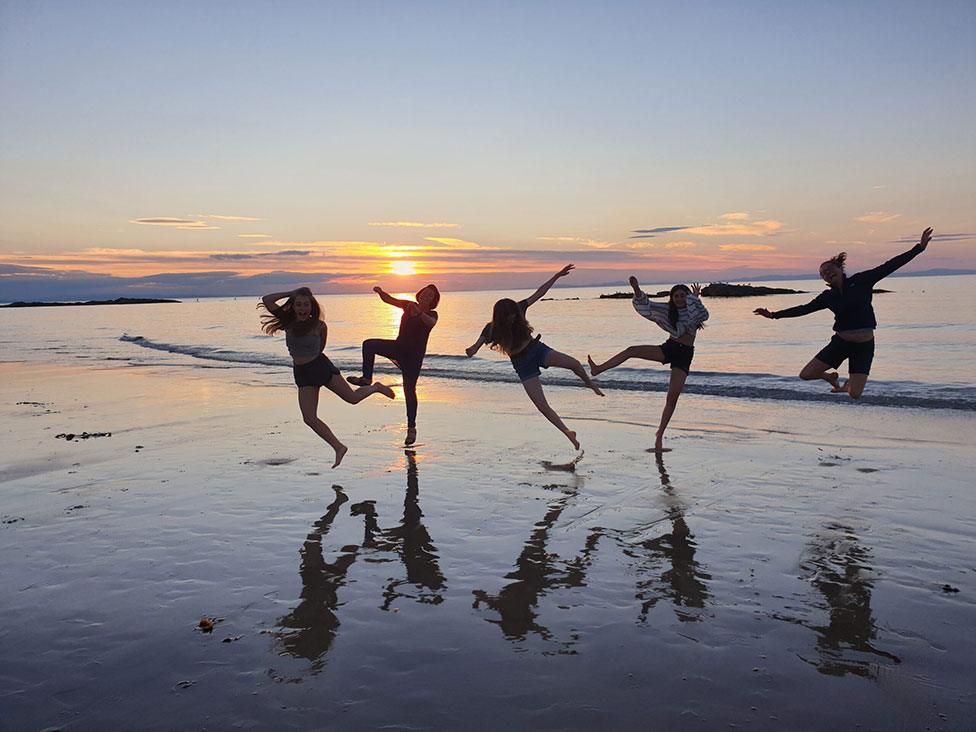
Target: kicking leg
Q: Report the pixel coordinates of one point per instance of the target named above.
(308, 402)
(675, 386)
(348, 394)
(649, 353)
(533, 387)
(372, 348)
(817, 369)
(561, 360)
(410, 376)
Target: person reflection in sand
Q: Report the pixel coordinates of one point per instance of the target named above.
(838, 566)
(313, 625)
(537, 572)
(684, 582)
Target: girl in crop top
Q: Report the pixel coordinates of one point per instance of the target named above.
(407, 351)
(682, 317)
(849, 299)
(511, 333)
(305, 335)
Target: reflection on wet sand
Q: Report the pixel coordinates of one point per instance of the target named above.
(838, 565)
(309, 630)
(538, 571)
(313, 623)
(683, 581)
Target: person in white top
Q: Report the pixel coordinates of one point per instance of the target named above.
(682, 317)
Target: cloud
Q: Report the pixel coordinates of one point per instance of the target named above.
(254, 236)
(559, 238)
(173, 223)
(414, 225)
(746, 248)
(453, 243)
(218, 217)
(877, 217)
(680, 245)
(735, 216)
(767, 227)
(936, 237)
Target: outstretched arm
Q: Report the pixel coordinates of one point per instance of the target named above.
(390, 300)
(653, 311)
(882, 271)
(534, 297)
(817, 303)
(482, 340)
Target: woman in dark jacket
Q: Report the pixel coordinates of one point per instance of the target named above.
(849, 298)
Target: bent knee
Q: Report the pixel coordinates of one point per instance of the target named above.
(310, 419)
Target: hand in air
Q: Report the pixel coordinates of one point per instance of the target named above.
(696, 288)
(763, 311)
(926, 238)
(565, 270)
(634, 283)
(377, 289)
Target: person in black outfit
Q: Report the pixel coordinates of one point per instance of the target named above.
(407, 351)
(849, 298)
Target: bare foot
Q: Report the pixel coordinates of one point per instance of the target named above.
(595, 388)
(572, 438)
(385, 391)
(831, 379)
(359, 380)
(594, 369)
(411, 436)
(840, 388)
(659, 445)
(340, 453)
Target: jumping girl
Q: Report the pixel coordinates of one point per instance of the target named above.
(682, 317)
(849, 298)
(305, 335)
(407, 351)
(510, 333)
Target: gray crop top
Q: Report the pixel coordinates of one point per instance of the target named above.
(304, 346)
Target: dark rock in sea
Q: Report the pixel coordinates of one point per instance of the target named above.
(630, 295)
(116, 301)
(723, 289)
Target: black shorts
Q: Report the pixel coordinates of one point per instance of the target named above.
(315, 373)
(859, 355)
(678, 354)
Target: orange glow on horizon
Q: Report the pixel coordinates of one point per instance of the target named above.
(403, 268)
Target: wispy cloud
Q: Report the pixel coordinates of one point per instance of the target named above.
(453, 243)
(238, 257)
(649, 233)
(680, 245)
(220, 217)
(254, 236)
(767, 227)
(414, 224)
(172, 223)
(746, 248)
(877, 217)
(936, 237)
(735, 216)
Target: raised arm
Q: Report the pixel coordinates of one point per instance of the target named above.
(390, 300)
(883, 270)
(654, 311)
(544, 288)
(697, 311)
(271, 301)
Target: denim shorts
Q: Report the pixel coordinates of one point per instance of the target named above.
(530, 359)
(859, 355)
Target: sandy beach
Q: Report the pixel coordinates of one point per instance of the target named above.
(767, 573)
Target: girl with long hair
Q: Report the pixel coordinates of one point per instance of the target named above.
(510, 333)
(682, 317)
(849, 299)
(305, 335)
(407, 351)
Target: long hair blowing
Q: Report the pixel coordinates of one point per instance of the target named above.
(283, 318)
(509, 328)
(673, 309)
(837, 261)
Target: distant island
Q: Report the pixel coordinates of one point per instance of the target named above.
(116, 301)
(715, 289)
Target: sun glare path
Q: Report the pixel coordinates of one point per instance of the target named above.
(403, 268)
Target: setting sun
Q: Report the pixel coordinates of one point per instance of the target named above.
(403, 268)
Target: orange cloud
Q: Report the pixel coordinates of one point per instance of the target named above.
(173, 223)
(414, 225)
(735, 216)
(746, 248)
(877, 217)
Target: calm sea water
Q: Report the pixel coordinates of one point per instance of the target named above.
(926, 340)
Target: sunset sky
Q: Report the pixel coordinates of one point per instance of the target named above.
(230, 148)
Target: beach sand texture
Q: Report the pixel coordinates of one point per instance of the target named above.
(770, 572)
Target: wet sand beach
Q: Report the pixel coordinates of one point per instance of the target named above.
(787, 566)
